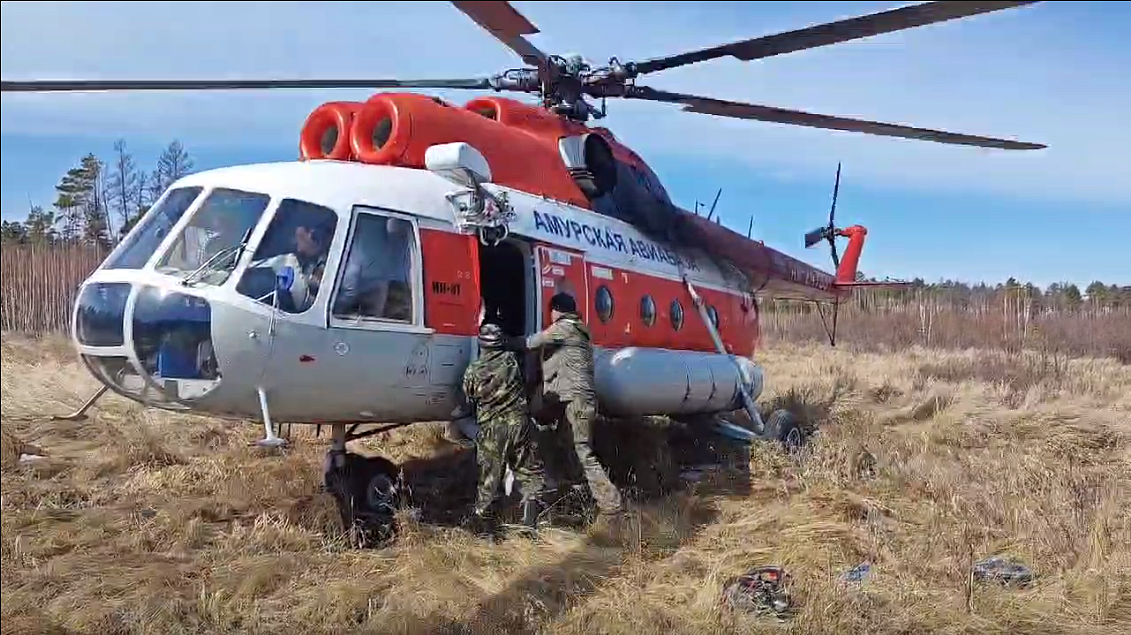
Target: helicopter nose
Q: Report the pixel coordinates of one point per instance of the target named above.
(150, 343)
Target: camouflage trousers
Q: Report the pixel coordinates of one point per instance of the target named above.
(500, 444)
(580, 413)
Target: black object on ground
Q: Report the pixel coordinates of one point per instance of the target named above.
(998, 569)
(760, 590)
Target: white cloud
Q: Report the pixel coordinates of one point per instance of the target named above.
(1024, 73)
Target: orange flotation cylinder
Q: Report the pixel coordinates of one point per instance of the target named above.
(398, 128)
(326, 132)
(382, 129)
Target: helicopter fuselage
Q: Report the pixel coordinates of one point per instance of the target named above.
(161, 324)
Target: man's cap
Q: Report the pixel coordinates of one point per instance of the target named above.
(563, 303)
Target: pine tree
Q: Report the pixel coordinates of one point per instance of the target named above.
(173, 164)
(81, 200)
(40, 226)
(122, 186)
(13, 232)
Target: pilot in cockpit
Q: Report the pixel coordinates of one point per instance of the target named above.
(311, 250)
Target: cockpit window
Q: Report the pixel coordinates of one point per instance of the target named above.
(140, 244)
(209, 245)
(287, 269)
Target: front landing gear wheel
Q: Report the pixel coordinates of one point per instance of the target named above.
(367, 492)
(784, 428)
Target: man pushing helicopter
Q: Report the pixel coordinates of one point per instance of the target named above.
(568, 391)
(493, 385)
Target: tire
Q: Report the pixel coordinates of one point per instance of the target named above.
(367, 497)
(784, 428)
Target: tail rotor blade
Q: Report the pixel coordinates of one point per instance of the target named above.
(815, 236)
(836, 191)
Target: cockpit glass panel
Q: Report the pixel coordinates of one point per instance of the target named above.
(172, 335)
(140, 244)
(210, 244)
(286, 271)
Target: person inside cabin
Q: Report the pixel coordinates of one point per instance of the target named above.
(568, 388)
(396, 268)
(375, 282)
(311, 250)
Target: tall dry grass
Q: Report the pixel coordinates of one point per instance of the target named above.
(38, 284)
(1002, 322)
(149, 522)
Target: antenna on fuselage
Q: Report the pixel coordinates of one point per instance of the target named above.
(711, 212)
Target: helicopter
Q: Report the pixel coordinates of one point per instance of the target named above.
(346, 288)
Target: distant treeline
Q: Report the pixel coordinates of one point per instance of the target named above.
(99, 200)
(1008, 316)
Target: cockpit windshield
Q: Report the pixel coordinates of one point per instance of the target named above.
(210, 243)
(139, 246)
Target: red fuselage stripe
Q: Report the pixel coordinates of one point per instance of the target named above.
(451, 300)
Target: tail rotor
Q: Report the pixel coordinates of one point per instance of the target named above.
(828, 232)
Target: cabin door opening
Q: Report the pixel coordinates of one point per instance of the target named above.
(508, 284)
(503, 283)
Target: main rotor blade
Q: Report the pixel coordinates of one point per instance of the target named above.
(233, 84)
(508, 26)
(739, 110)
(829, 33)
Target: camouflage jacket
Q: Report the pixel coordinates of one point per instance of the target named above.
(567, 358)
(493, 385)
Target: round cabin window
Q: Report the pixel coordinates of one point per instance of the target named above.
(604, 304)
(676, 315)
(648, 310)
(714, 315)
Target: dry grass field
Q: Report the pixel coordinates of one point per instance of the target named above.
(148, 522)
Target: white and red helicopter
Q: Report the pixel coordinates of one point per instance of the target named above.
(346, 288)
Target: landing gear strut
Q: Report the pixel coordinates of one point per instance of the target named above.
(80, 414)
(367, 489)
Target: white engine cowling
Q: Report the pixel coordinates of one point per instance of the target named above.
(644, 382)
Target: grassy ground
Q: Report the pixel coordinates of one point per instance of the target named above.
(147, 522)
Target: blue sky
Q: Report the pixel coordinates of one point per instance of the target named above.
(1051, 73)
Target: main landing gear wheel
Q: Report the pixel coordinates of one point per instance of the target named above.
(367, 493)
(784, 428)
(367, 490)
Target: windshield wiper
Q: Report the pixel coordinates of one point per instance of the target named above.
(235, 250)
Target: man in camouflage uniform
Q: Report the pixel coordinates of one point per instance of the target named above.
(493, 386)
(567, 376)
